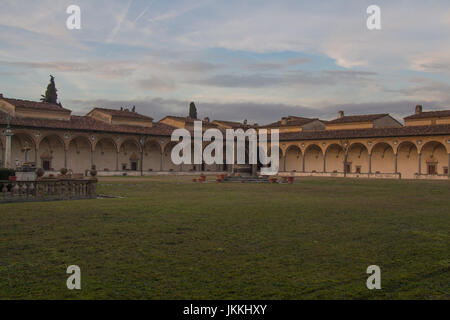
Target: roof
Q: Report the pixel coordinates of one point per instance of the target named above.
(35, 105)
(190, 120)
(86, 123)
(234, 124)
(429, 114)
(358, 118)
(123, 113)
(291, 121)
(367, 133)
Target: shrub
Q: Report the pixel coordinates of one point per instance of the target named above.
(5, 173)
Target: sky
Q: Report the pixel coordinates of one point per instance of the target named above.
(257, 60)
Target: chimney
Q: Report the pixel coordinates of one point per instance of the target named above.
(284, 121)
(418, 109)
(340, 114)
(206, 119)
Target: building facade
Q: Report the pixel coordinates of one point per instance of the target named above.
(123, 141)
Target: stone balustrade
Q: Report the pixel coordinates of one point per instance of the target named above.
(48, 189)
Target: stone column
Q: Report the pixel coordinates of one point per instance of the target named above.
(3, 159)
(142, 163)
(161, 162)
(65, 158)
(345, 163)
(396, 163)
(36, 151)
(420, 164)
(370, 163)
(117, 160)
(92, 158)
(325, 163)
(303, 162)
(8, 161)
(448, 168)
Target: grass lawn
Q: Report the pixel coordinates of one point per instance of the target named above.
(170, 238)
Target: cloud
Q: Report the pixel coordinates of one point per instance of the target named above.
(293, 53)
(261, 113)
(292, 78)
(157, 84)
(120, 19)
(107, 69)
(194, 66)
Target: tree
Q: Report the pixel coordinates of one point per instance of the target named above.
(50, 95)
(192, 111)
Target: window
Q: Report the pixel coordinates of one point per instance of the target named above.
(133, 166)
(432, 169)
(46, 165)
(358, 169)
(445, 170)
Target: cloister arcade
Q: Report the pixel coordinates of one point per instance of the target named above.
(395, 157)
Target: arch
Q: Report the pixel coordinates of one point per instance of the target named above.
(434, 158)
(334, 158)
(79, 154)
(407, 159)
(105, 154)
(129, 155)
(168, 165)
(51, 153)
(102, 139)
(23, 150)
(383, 158)
(313, 158)
(132, 141)
(357, 159)
(293, 159)
(152, 156)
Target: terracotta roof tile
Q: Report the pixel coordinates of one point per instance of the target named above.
(291, 121)
(85, 123)
(358, 118)
(123, 113)
(429, 114)
(367, 133)
(35, 105)
(190, 121)
(235, 124)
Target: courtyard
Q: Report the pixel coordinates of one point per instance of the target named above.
(165, 237)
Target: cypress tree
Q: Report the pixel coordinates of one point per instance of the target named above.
(192, 111)
(50, 95)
